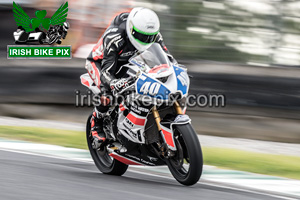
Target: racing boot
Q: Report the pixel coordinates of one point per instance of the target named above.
(97, 129)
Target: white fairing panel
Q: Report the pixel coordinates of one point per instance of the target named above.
(35, 36)
(132, 126)
(168, 136)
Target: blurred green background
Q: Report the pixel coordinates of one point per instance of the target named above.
(247, 50)
(255, 32)
(265, 32)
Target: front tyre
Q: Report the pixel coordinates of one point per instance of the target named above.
(105, 163)
(187, 163)
(52, 39)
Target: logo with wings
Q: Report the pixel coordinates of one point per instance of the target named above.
(39, 28)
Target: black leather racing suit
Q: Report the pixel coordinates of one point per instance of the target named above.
(111, 52)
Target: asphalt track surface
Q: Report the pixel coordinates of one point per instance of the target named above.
(26, 176)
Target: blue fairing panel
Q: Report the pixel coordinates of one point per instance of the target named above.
(182, 80)
(150, 87)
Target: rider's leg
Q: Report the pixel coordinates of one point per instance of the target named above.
(99, 110)
(97, 121)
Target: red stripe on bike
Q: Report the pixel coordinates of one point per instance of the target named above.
(168, 137)
(123, 159)
(135, 120)
(121, 107)
(159, 67)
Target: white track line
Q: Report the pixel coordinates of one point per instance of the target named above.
(224, 187)
(149, 174)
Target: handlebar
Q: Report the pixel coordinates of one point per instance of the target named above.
(130, 81)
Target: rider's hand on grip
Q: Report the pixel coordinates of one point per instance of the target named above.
(118, 85)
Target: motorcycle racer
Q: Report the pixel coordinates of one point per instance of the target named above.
(127, 34)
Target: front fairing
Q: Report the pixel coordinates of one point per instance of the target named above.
(177, 83)
(157, 76)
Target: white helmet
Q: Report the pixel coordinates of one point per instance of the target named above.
(142, 27)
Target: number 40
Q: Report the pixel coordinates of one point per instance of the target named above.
(151, 89)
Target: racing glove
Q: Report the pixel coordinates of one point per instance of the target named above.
(118, 85)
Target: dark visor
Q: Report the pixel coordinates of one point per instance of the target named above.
(143, 37)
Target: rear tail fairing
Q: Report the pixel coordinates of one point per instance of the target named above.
(89, 83)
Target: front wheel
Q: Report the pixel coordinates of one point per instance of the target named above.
(105, 163)
(52, 39)
(187, 163)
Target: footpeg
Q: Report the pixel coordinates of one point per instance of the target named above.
(116, 147)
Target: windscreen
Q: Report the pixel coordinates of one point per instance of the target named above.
(152, 57)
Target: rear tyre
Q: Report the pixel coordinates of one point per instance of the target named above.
(105, 163)
(188, 154)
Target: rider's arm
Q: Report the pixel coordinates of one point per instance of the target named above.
(112, 45)
(159, 40)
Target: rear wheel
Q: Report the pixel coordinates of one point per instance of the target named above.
(187, 163)
(105, 163)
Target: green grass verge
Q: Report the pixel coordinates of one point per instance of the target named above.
(278, 165)
(75, 139)
(269, 164)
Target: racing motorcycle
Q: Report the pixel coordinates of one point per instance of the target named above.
(148, 126)
(56, 33)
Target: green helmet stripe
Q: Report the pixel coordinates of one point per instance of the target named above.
(142, 32)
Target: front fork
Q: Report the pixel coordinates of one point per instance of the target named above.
(169, 140)
(157, 117)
